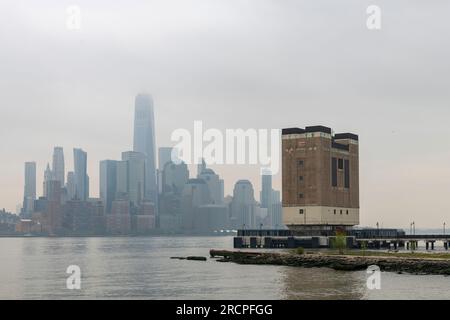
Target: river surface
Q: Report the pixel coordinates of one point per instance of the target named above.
(141, 268)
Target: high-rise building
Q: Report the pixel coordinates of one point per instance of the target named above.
(108, 183)
(29, 194)
(52, 219)
(48, 176)
(122, 179)
(243, 206)
(195, 194)
(136, 175)
(164, 156)
(174, 177)
(144, 142)
(215, 184)
(54, 190)
(80, 175)
(266, 192)
(275, 211)
(70, 185)
(320, 178)
(58, 165)
(201, 166)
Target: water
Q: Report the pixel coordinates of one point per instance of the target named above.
(140, 268)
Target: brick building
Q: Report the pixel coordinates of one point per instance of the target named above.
(320, 178)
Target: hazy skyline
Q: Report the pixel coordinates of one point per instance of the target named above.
(234, 64)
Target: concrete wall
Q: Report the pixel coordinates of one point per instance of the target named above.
(320, 215)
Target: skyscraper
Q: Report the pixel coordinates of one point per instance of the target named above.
(174, 177)
(48, 176)
(136, 175)
(275, 210)
(80, 174)
(164, 156)
(70, 185)
(58, 165)
(122, 180)
(108, 175)
(243, 206)
(144, 142)
(215, 184)
(195, 194)
(266, 192)
(29, 194)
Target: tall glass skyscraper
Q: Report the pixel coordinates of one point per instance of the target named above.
(266, 192)
(30, 187)
(58, 165)
(144, 142)
(80, 174)
(136, 175)
(108, 183)
(70, 185)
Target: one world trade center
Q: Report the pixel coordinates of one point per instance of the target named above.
(144, 142)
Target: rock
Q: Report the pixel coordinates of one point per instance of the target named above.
(196, 258)
(337, 262)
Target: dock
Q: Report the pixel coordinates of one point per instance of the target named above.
(273, 239)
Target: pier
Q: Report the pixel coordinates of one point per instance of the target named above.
(391, 239)
(411, 242)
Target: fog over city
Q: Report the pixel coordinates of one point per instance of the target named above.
(234, 64)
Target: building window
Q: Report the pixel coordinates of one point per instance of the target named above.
(300, 163)
(347, 174)
(300, 178)
(301, 211)
(341, 211)
(334, 211)
(347, 212)
(333, 172)
(340, 164)
(300, 195)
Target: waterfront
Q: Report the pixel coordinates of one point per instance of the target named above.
(141, 268)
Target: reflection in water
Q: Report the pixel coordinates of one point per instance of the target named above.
(141, 268)
(322, 283)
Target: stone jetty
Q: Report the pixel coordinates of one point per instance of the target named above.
(337, 262)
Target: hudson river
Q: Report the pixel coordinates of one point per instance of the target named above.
(141, 268)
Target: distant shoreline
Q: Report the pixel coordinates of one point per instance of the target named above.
(120, 236)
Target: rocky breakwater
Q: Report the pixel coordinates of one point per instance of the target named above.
(337, 262)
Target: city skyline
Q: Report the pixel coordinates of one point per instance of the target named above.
(131, 201)
(58, 155)
(294, 64)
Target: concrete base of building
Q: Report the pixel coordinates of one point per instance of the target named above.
(320, 215)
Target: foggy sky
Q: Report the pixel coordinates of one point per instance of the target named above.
(234, 64)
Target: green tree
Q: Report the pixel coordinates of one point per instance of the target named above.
(340, 242)
(364, 247)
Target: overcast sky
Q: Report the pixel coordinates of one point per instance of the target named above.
(235, 64)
